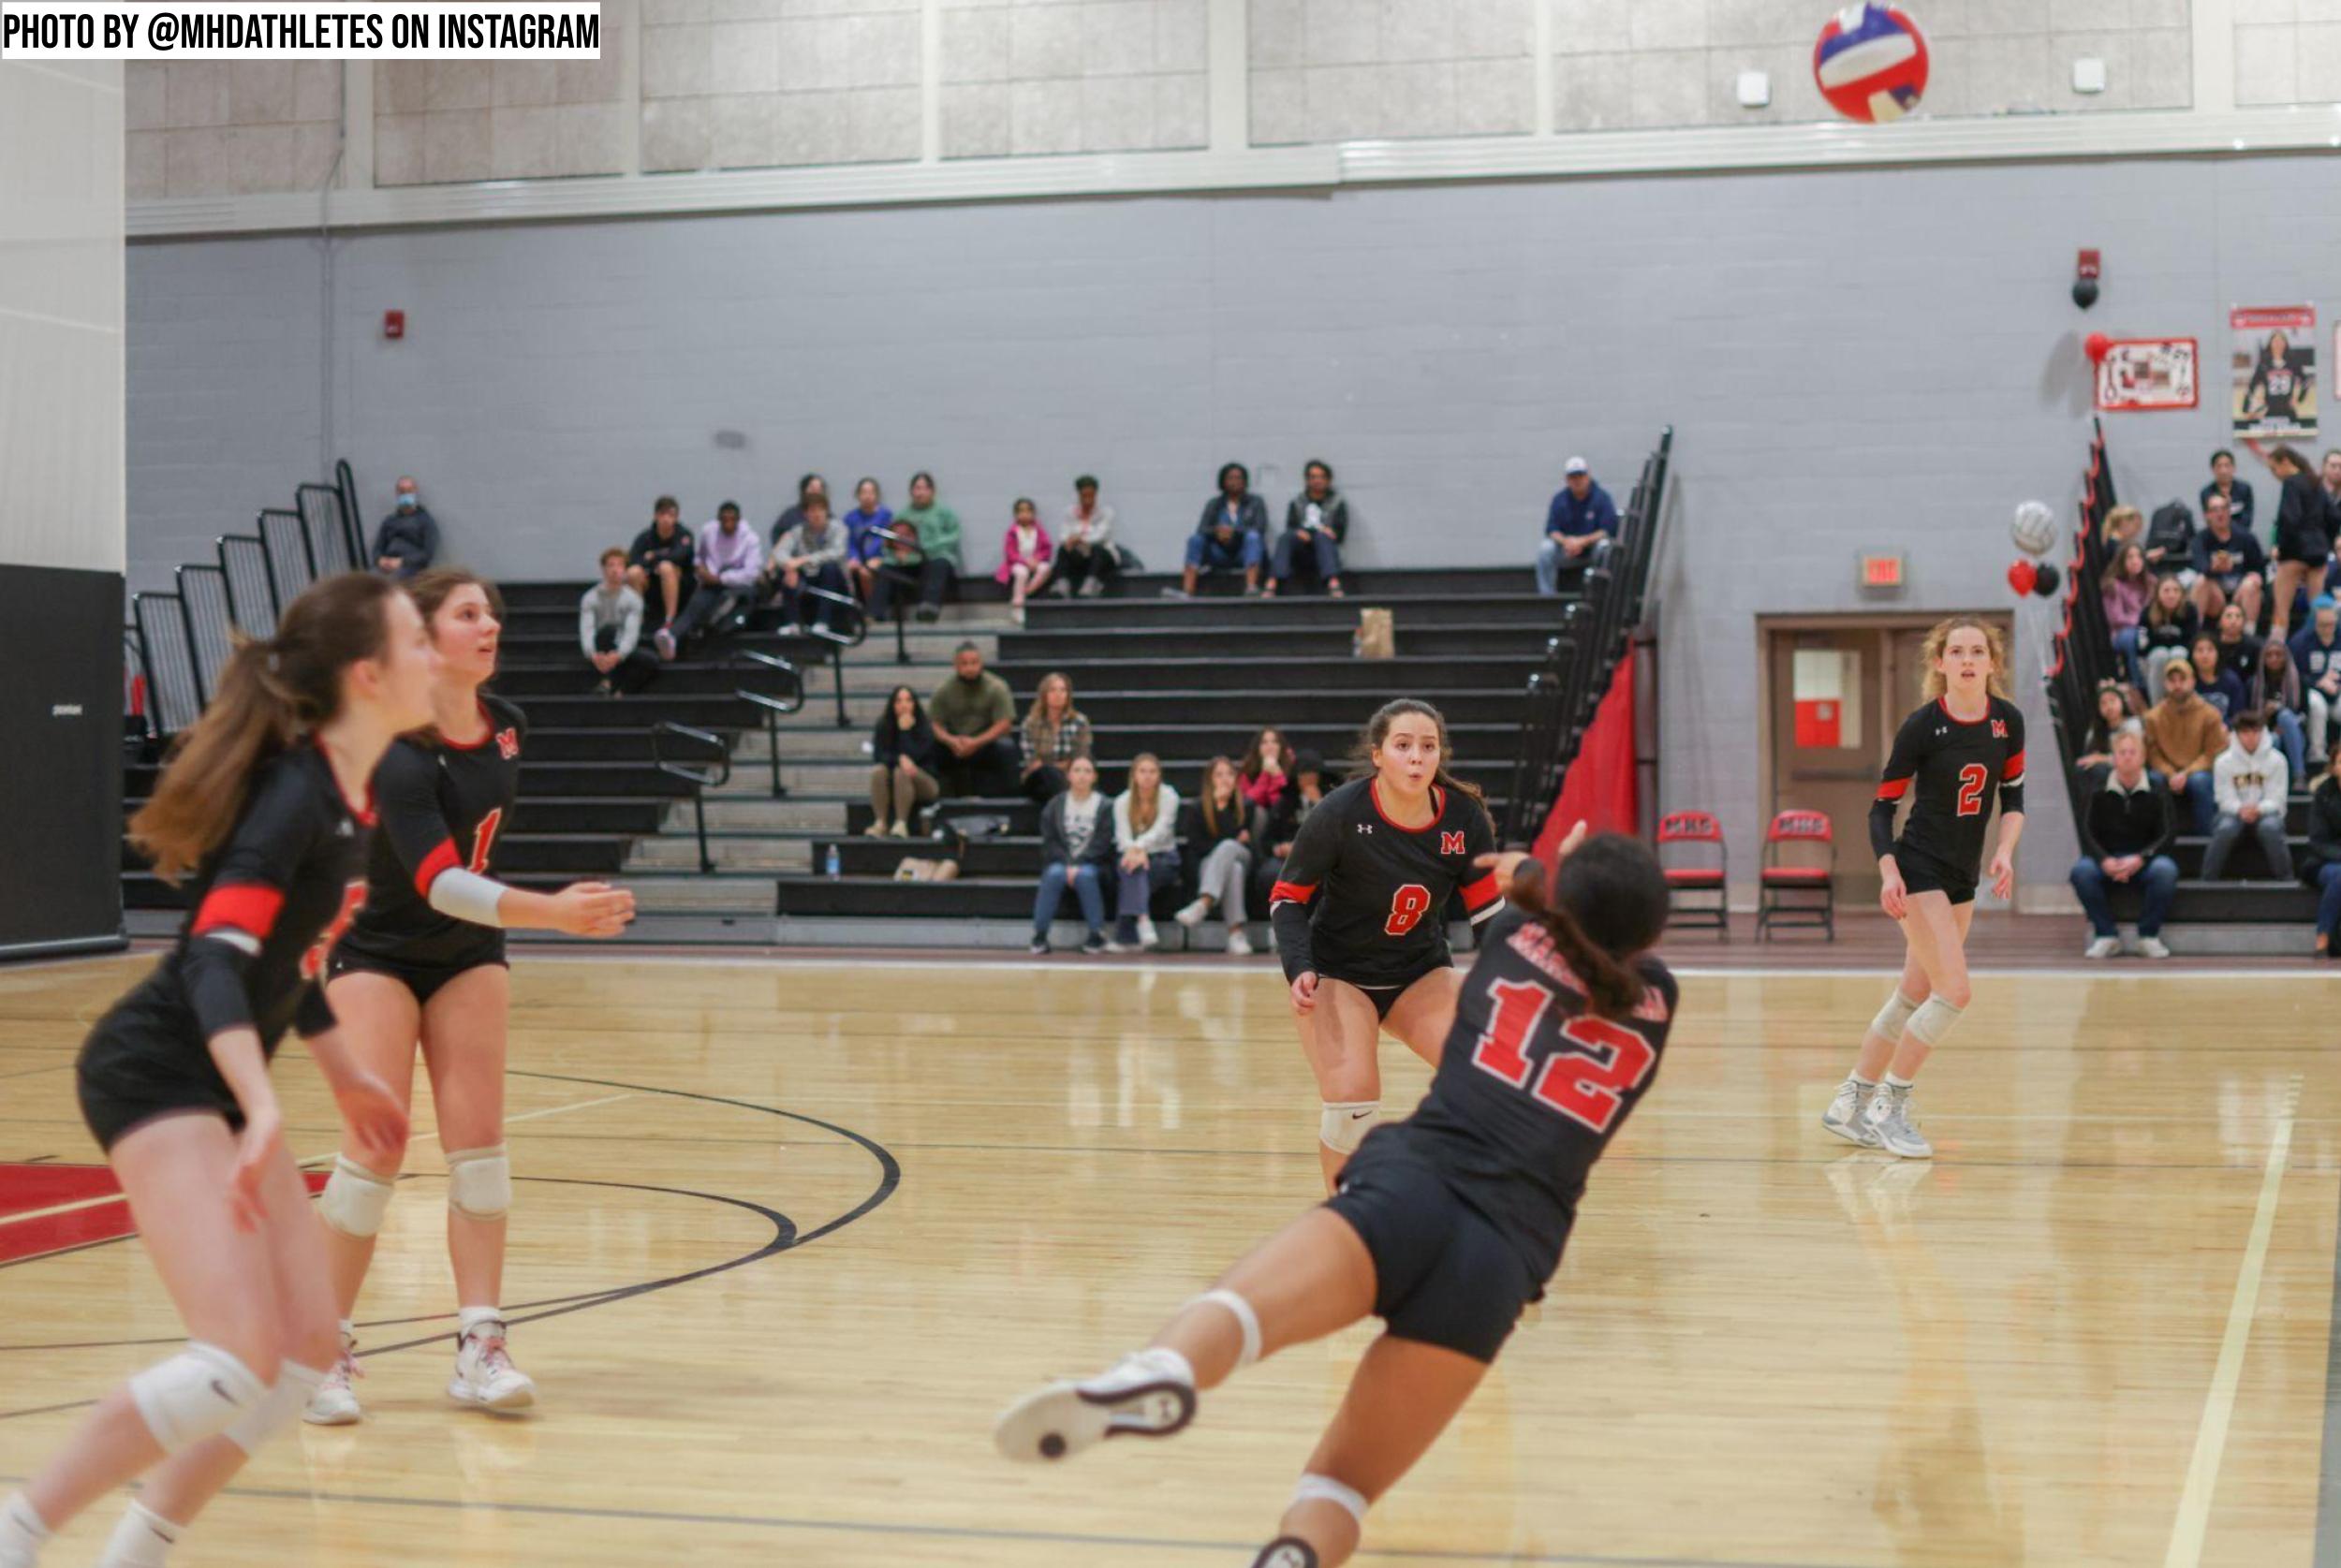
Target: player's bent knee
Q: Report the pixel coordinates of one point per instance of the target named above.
(277, 1408)
(194, 1395)
(1933, 1019)
(1893, 1018)
(355, 1200)
(1344, 1123)
(479, 1182)
(1324, 1489)
(1246, 1321)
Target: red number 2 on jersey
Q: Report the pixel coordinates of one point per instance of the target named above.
(1586, 1087)
(1972, 779)
(1407, 908)
(483, 837)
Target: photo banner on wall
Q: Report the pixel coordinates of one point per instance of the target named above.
(2275, 369)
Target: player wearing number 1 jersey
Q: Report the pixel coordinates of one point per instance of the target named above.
(1953, 759)
(424, 963)
(1444, 1226)
(1360, 916)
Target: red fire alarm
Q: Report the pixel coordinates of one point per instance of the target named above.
(393, 324)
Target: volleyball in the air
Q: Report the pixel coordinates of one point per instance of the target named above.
(2035, 528)
(1870, 63)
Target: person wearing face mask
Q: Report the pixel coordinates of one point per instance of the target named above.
(408, 540)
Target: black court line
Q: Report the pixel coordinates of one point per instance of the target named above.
(966, 1533)
(2328, 1552)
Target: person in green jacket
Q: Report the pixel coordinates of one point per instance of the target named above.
(925, 550)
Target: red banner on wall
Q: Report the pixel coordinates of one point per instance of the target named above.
(1600, 789)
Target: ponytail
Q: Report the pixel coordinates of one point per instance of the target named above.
(1612, 989)
(1608, 904)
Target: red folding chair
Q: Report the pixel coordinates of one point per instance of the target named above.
(1696, 828)
(1797, 893)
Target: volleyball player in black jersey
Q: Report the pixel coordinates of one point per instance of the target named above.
(1360, 916)
(258, 802)
(424, 962)
(1446, 1225)
(1953, 757)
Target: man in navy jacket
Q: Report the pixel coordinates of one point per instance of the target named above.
(1580, 517)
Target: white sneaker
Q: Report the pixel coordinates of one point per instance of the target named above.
(1285, 1551)
(2103, 947)
(336, 1403)
(901, 829)
(1149, 1394)
(1847, 1115)
(1016, 614)
(1147, 937)
(1194, 913)
(1174, 593)
(2153, 947)
(1091, 589)
(1239, 945)
(1061, 589)
(875, 830)
(485, 1376)
(1889, 1118)
(663, 641)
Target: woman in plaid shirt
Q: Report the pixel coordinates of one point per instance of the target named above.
(1055, 734)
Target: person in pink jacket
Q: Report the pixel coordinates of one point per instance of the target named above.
(1026, 558)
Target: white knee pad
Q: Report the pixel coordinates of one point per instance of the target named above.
(1324, 1489)
(479, 1182)
(1245, 1319)
(198, 1393)
(1887, 1024)
(1344, 1124)
(277, 1408)
(1933, 1021)
(355, 1199)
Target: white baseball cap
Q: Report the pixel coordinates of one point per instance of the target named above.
(1575, 465)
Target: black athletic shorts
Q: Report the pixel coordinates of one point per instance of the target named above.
(131, 1071)
(424, 980)
(1923, 873)
(1385, 994)
(1442, 1274)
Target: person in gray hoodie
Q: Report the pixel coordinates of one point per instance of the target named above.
(610, 630)
(2252, 785)
(811, 554)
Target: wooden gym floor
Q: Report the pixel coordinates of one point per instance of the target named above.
(789, 1233)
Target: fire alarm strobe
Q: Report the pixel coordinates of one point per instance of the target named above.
(393, 324)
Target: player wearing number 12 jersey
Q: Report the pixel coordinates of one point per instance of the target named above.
(1360, 916)
(424, 964)
(1445, 1226)
(1953, 759)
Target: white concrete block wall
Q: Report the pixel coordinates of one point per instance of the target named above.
(1338, 71)
(211, 127)
(2288, 52)
(774, 84)
(1022, 77)
(446, 122)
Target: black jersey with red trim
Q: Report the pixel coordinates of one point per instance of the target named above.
(265, 908)
(1953, 770)
(444, 807)
(1532, 1087)
(1364, 901)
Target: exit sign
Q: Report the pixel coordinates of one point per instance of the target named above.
(1879, 574)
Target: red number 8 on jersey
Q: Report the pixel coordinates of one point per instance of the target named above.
(1407, 908)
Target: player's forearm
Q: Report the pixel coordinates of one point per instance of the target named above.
(1290, 922)
(2010, 830)
(1882, 829)
(237, 1054)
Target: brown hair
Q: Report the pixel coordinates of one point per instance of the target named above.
(270, 696)
(1036, 721)
(1254, 754)
(1939, 639)
(433, 589)
(1153, 798)
(2114, 574)
(1210, 796)
(1377, 731)
(1608, 903)
(606, 554)
(2155, 616)
(2285, 452)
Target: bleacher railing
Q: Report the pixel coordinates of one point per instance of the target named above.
(2082, 654)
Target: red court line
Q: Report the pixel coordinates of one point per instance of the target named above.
(26, 1189)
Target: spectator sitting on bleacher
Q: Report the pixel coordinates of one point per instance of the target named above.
(2253, 788)
(1230, 535)
(1317, 525)
(1055, 735)
(2239, 649)
(2322, 869)
(1076, 852)
(1581, 516)
(925, 549)
(1146, 848)
(2124, 525)
(972, 713)
(1281, 824)
(610, 630)
(904, 758)
(2126, 838)
(1216, 831)
(792, 518)
(2183, 738)
(408, 540)
(1086, 557)
(1266, 771)
(2125, 591)
(2215, 683)
(2316, 653)
(812, 554)
(2277, 696)
(726, 562)
(2332, 477)
(2115, 715)
(2171, 538)
(1027, 555)
(2166, 635)
(2228, 563)
(2236, 492)
(658, 567)
(2304, 534)
(868, 527)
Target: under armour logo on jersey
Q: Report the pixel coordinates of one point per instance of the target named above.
(1449, 844)
(509, 743)
(2000, 729)
(1365, 828)
(343, 829)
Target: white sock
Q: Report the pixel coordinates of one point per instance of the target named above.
(143, 1539)
(20, 1525)
(1857, 1081)
(349, 1333)
(475, 1318)
(1893, 1083)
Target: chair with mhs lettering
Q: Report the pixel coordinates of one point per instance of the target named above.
(1801, 892)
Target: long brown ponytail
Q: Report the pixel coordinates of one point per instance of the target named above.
(1377, 731)
(271, 694)
(1610, 904)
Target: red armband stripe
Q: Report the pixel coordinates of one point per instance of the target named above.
(443, 858)
(1476, 896)
(247, 907)
(2013, 767)
(1292, 892)
(1893, 789)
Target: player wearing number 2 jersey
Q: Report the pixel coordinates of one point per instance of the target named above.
(1360, 916)
(1953, 759)
(424, 963)
(1445, 1226)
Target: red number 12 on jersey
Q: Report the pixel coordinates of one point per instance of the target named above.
(1587, 1088)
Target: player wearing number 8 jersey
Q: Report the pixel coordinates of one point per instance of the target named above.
(424, 964)
(1445, 1226)
(1360, 916)
(1952, 759)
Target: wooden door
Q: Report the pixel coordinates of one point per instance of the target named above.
(1828, 701)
